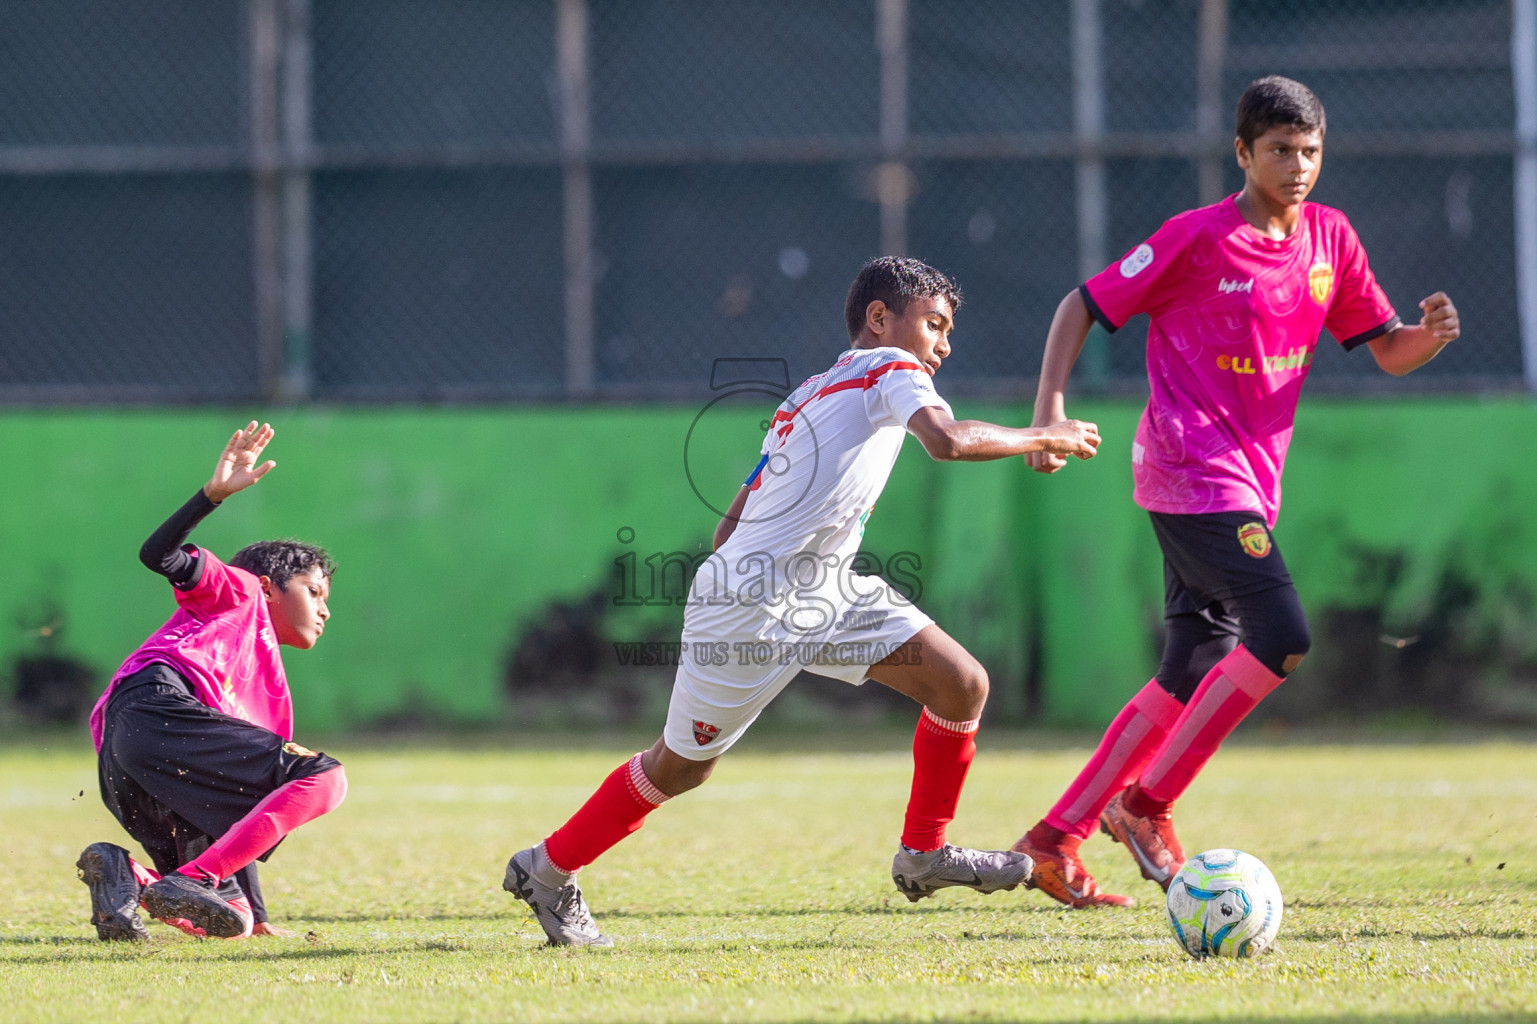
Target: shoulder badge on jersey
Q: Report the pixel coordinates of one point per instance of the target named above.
(1320, 282)
(1255, 539)
(1136, 261)
(293, 748)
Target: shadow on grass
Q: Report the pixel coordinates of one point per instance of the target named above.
(738, 914)
(132, 952)
(1410, 933)
(48, 940)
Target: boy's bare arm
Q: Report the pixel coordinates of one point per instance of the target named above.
(727, 525)
(950, 440)
(1064, 341)
(1408, 348)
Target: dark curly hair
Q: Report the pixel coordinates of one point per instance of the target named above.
(282, 560)
(1277, 102)
(896, 281)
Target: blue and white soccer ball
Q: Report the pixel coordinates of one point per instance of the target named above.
(1224, 903)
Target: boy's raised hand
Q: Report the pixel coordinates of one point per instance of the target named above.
(237, 467)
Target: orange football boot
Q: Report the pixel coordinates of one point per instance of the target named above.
(1150, 839)
(1060, 874)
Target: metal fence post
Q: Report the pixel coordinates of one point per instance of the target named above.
(575, 116)
(1210, 61)
(1523, 64)
(1089, 171)
(894, 185)
(264, 31)
(298, 247)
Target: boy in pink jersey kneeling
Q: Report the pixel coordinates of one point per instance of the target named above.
(1237, 294)
(779, 595)
(194, 733)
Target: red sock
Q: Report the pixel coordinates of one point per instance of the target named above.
(942, 754)
(1232, 689)
(1129, 744)
(618, 808)
(279, 813)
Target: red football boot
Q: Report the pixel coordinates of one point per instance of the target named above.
(1150, 838)
(1059, 872)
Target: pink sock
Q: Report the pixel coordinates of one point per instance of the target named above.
(942, 754)
(279, 813)
(1232, 689)
(143, 875)
(242, 907)
(1129, 744)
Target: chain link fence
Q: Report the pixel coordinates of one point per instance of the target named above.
(473, 200)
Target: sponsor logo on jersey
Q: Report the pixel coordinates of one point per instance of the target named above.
(1292, 360)
(293, 748)
(1320, 282)
(704, 732)
(1137, 260)
(1227, 287)
(1255, 539)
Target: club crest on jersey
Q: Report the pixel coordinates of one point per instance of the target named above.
(1137, 260)
(1255, 539)
(704, 732)
(293, 748)
(1320, 282)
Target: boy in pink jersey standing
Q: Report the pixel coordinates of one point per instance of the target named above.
(1237, 294)
(779, 595)
(194, 732)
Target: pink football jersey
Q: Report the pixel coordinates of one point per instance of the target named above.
(1235, 320)
(221, 640)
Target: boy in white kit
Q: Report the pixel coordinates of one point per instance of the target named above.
(779, 595)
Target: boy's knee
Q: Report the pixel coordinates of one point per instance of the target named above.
(968, 690)
(1279, 638)
(1293, 645)
(974, 682)
(334, 785)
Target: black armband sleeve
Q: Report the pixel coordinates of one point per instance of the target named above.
(165, 552)
(251, 885)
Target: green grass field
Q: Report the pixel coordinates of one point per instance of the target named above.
(1410, 873)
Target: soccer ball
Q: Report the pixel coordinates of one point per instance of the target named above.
(1224, 903)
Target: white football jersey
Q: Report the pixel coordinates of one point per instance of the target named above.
(825, 460)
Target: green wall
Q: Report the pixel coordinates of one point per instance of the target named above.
(456, 528)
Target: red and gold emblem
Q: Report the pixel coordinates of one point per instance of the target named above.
(704, 732)
(1255, 539)
(1320, 282)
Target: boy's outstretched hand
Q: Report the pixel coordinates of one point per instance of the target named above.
(237, 467)
(1069, 437)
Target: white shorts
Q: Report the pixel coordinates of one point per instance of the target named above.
(736, 659)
